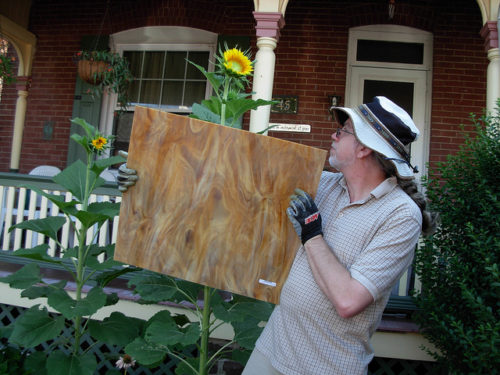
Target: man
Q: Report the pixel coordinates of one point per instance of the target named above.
(358, 237)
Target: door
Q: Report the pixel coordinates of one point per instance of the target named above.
(405, 87)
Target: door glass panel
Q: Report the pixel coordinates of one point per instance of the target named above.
(400, 93)
(394, 52)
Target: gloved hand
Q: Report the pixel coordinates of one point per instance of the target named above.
(304, 215)
(126, 176)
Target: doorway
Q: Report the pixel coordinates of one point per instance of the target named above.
(394, 61)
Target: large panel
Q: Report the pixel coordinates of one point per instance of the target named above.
(209, 206)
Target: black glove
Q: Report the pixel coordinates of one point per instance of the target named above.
(304, 216)
(126, 176)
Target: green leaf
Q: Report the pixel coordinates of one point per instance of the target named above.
(35, 363)
(104, 278)
(47, 226)
(247, 332)
(59, 363)
(74, 179)
(108, 209)
(70, 308)
(117, 329)
(167, 333)
(37, 253)
(238, 107)
(24, 278)
(153, 288)
(183, 368)
(89, 129)
(36, 326)
(205, 114)
(34, 292)
(145, 353)
(101, 164)
(214, 79)
(66, 207)
(89, 218)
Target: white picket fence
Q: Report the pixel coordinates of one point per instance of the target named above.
(18, 204)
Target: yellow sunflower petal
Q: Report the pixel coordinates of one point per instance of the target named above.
(236, 61)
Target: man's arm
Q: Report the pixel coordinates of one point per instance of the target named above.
(348, 296)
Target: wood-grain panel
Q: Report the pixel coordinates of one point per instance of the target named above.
(209, 206)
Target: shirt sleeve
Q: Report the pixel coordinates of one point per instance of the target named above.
(389, 254)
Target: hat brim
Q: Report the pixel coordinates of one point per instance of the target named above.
(370, 138)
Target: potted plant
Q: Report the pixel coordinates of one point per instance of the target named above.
(6, 75)
(105, 69)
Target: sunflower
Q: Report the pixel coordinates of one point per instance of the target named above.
(237, 62)
(99, 143)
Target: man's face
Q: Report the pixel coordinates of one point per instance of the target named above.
(342, 151)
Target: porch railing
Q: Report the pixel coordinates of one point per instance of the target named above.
(18, 203)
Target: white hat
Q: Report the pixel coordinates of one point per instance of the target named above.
(386, 128)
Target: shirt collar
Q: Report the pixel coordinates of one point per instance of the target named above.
(383, 188)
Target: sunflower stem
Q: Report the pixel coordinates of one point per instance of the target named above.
(225, 94)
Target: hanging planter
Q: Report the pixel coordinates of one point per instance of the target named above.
(105, 69)
(91, 71)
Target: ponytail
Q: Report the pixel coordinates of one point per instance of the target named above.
(410, 187)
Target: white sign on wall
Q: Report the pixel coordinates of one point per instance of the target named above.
(299, 128)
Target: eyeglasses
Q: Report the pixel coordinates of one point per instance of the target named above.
(339, 130)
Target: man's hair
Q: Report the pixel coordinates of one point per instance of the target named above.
(410, 187)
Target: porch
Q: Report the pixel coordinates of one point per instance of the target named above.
(397, 342)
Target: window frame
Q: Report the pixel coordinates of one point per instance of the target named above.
(156, 38)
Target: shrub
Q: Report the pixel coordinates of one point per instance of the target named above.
(458, 307)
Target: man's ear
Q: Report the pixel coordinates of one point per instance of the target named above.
(363, 151)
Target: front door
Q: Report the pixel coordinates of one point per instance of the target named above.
(407, 88)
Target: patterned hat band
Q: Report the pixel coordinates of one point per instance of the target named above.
(376, 124)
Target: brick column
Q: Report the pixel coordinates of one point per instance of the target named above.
(268, 33)
(489, 32)
(23, 84)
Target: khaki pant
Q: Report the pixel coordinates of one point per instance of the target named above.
(259, 364)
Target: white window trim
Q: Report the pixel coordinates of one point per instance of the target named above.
(155, 38)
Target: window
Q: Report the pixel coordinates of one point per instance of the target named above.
(167, 79)
(163, 77)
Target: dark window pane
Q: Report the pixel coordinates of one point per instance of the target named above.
(400, 93)
(199, 58)
(133, 91)
(153, 64)
(194, 93)
(175, 65)
(172, 93)
(135, 60)
(150, 92)
(395, 52)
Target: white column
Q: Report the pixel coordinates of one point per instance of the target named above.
(493, 79)
(268, 33)
(23, 84)
(263, 80)
(489, 32)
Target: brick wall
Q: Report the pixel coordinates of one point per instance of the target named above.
(310, 61)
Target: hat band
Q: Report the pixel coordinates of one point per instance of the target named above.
(387, 135)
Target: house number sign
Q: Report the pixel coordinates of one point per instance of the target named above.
(286, 104)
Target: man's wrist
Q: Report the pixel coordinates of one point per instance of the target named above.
(313, 240)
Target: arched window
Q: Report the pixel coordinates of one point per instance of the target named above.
(164, 78)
